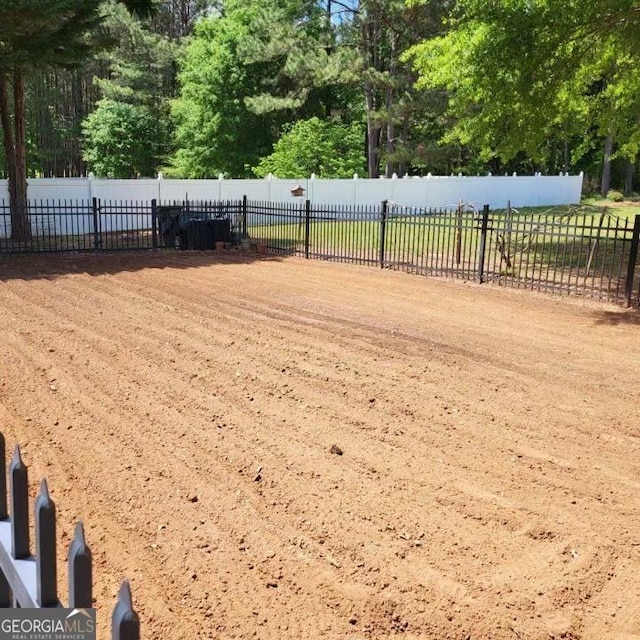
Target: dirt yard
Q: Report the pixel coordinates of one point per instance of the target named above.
(282, 449)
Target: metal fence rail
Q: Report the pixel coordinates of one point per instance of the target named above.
(31, 582)
(583, 251)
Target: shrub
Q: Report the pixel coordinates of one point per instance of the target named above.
(615, 196)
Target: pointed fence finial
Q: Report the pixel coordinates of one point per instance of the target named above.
(19, 489)
(46, 570)
(80, 571)
(125, 624)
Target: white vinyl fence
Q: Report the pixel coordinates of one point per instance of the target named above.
(431, 191)
(122, 199)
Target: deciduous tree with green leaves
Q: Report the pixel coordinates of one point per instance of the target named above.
(321, 147)
(523, 73)
(117, 138)
(216, 131)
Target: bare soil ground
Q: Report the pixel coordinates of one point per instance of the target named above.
(191, 410)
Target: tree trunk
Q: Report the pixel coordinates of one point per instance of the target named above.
(374, 130)
(391, 165)
(7, 133)
(7, 140)
(20, 227)
(13, 137)
(630, 170)
(605, 184)
(373, 134)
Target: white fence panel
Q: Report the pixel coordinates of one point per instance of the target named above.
(72, 223)
(253, 189)
(59, 189)
(182, 190)
(124, 190)
(431, 192)
(371, 191)
(281, 190)
(494, 191)
(332, 191)
(133, 221)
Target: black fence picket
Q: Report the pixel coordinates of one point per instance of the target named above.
(31, 582)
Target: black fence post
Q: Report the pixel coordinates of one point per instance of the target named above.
(383, 232)
(125, 624)
(96, 223)
(80, 572)
(19, 507)
(633, 258)
(154, 224)
(46, 570)
(483, 242)
(307, 227)
(244, 216)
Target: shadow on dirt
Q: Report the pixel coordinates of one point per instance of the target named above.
(52, 266)
(615, 318)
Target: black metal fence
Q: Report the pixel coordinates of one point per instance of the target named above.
(581, 251)
(108, 225)
(32, 582)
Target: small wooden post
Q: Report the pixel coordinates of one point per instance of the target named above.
(459, 233)
(80, 572)
(594, 246)
(19, 507)
(125, 624)
(46, 570)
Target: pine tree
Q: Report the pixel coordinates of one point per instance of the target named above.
(36, 34)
